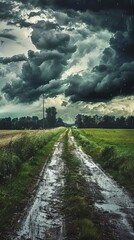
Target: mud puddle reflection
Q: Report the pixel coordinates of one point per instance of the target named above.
(108, 196)
(44, 220)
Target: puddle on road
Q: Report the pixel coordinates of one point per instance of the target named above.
(44, 220)
(112, 199)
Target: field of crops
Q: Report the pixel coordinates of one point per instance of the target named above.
(7, 136)
(113, 149)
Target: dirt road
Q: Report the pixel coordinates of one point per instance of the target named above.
(44, 219)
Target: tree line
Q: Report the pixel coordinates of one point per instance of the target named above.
(84, 121)
(50, 121)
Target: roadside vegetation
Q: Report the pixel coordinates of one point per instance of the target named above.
(81, 220)
(21, 161)
(113, 149)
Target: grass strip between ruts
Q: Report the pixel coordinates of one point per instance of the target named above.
(77, 209)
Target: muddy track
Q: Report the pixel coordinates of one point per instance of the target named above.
(109, 198)
(43, 220)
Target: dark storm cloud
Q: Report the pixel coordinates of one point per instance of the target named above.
(102, 86)
(43, 67)
(111, 20)
(5, 10)
(113, 77)
(15, 58)
(8, 12)
(42, 71)
(51, 38)
(94, 5)
(54, 88)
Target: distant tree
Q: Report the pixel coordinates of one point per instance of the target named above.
(51, 117)
(83, 121)
(130, 122)
(59, 122)
(15, 123)
(78, 121)
(121, 122)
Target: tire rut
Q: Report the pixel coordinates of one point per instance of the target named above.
(43, 220)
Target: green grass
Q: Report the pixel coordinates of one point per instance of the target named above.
(113, 149)
(81, 220)
(32, 150)
(121, 139)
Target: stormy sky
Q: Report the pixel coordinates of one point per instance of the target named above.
(78, 53)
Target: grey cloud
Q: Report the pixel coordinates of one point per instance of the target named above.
(64, 103)
(15, 58)
(102, 85)
(54, 88)
(93, 5)
(51, 38)
(42, 69)
(113, 77)
(5, 10)
(6, 33)
(20, 92)
(33, 14)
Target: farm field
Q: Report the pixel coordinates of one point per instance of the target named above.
(113, 149)
(9, 135)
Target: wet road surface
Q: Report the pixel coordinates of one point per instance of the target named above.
(44, 220)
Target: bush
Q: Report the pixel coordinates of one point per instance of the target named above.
(108, 153)
(24, 148)
(9, 165)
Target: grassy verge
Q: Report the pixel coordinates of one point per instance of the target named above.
(81, 220)
(113, 150)
(30, 153)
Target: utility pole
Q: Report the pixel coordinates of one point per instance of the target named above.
(43, 111)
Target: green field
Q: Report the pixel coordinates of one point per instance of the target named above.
(121, 139)
(113, 149)
(22, 156)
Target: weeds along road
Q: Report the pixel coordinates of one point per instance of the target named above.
(47, 218)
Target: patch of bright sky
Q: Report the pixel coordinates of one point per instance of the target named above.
(19, 46)
(116, 107)
(88, 60)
